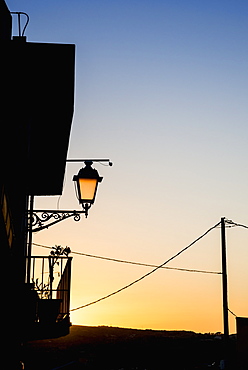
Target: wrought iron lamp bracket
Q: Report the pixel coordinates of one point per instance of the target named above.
(38, 218)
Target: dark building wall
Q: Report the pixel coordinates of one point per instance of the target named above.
(13, 184)
(5, 22)
(37, 99)
(242, 342)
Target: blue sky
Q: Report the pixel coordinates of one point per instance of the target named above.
(161, 90)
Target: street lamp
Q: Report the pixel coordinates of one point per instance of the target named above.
(86, 182)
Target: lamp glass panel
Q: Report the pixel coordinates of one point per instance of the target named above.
(87, 189)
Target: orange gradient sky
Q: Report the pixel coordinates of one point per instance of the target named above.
(161, 90)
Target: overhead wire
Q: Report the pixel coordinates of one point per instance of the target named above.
(236, 224)
(229, 223)
(232, 312)
(135, 263)
(149, 273)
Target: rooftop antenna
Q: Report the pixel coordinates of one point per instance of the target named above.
(21, 33)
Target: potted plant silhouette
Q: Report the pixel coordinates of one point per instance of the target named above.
(49, 307)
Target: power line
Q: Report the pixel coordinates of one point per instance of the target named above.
(135, 263)
(235, 224)
(230, 223)
(232, 312)
(149, 273)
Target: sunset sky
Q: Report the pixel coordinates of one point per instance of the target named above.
(161, 90)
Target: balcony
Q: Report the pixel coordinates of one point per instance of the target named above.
(48, 297)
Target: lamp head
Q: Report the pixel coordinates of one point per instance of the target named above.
(87, 181)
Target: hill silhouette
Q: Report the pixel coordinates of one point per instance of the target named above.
(115, 348)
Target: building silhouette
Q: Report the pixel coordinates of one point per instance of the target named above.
(37, 100)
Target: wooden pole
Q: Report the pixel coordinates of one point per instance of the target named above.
(224, 291)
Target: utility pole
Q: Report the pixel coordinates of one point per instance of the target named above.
(224, 291)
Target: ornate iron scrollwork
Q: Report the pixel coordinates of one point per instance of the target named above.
(38, 218)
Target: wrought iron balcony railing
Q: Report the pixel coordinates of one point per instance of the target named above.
(49, 292)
